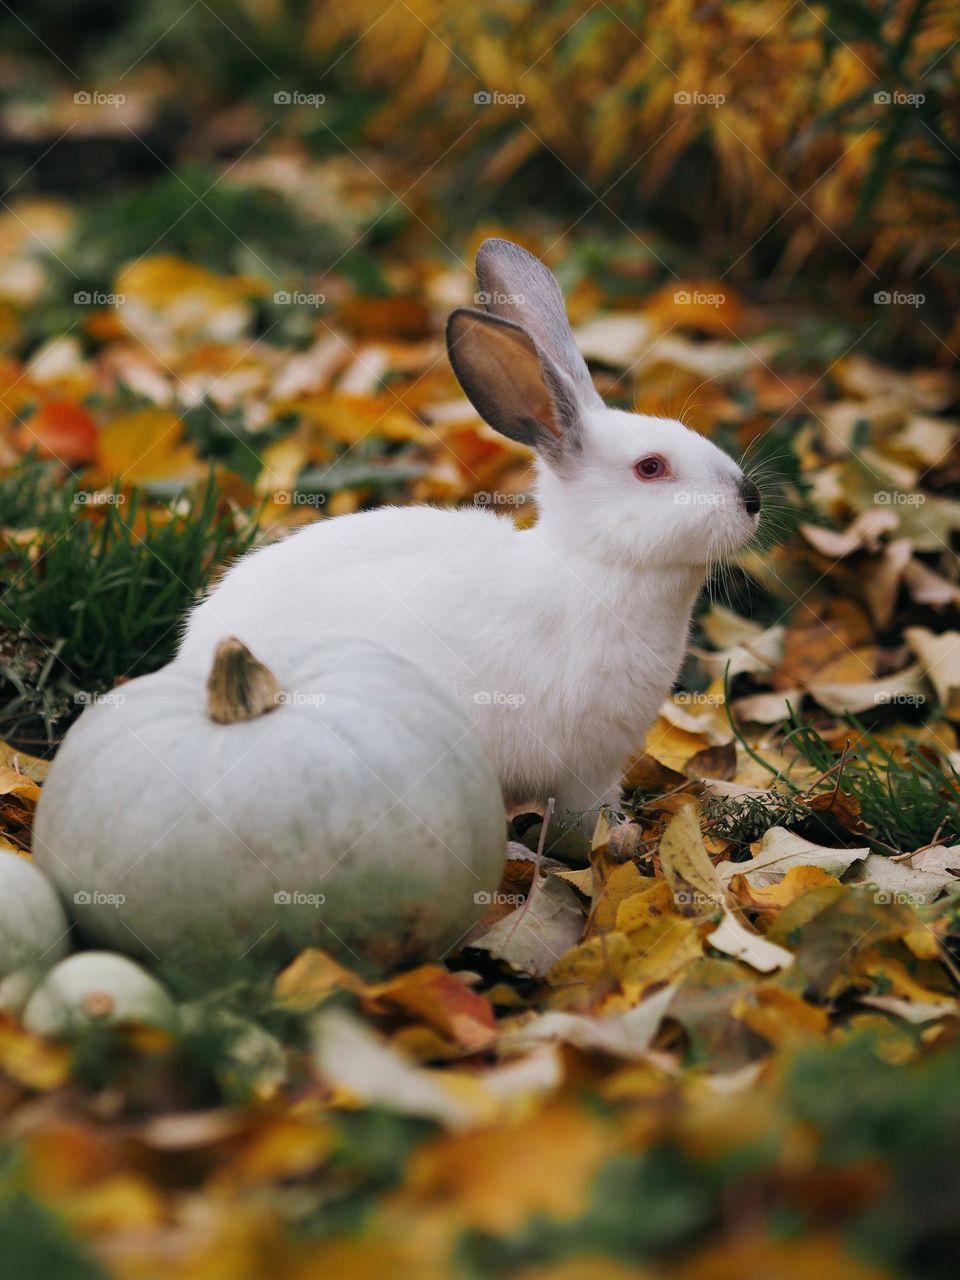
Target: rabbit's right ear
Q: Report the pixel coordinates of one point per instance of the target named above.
(515, 285)
(512, 384)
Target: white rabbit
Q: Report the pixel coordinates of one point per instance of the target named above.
(560, 641)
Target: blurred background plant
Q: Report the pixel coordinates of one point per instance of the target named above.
(816, 145)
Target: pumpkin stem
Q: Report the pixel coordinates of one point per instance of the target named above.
(98, 1004)
(239, 686)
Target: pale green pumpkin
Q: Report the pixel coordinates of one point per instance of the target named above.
(340, 799)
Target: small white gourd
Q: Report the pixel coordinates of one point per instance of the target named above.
(97, 988)
(34, 931)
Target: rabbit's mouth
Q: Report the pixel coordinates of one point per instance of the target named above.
(730, 540)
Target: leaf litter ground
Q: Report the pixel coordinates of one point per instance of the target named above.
(719, 1039)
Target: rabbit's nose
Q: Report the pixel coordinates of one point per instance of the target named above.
(750, 497)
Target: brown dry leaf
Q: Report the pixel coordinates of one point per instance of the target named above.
(911, 1012)
(767, 708)
(429, 993)
(622, 1035)
(713, 762)
(815, 639)
(835, 938)
(841, 699)
(612, 972)
(709, 992)
(839, 807)
(700, 714)
(928, 587)
(648, 774)
(364, 1070)
(881, 585)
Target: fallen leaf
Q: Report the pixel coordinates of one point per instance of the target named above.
(713, 762)
(536, 934)
(897, 882)
(939, 657)
(438, 998)
(494, 1180)
(912, 1012)
(622, 1035)
(60, 429)
(779, 850)
(363, 1068)
(864, 534)
(734, 939)
(692, 878)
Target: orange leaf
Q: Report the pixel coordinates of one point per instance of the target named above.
(60, 429)
(442, 1001)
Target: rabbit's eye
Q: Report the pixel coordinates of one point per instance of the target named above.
(651, 468)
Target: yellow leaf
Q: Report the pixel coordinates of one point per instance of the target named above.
(779, 1015)
(795, 1258)
(284, 1147)
(31, 1060)
(311, 978)
(623, 881)
(690, 874)
(146, 444)
(121, 1203)
(894, 978)
(774, 897)
(672, 746)
(496, 1180)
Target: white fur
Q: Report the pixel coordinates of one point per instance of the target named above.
(560, 641)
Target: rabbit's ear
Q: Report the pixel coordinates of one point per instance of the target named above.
(517, 286)
(512, 384)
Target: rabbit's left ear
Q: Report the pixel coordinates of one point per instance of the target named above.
(514, 385)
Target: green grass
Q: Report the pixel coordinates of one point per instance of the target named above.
(907, 799)
(86, 599)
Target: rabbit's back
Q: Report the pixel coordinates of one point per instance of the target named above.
(409, 577)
